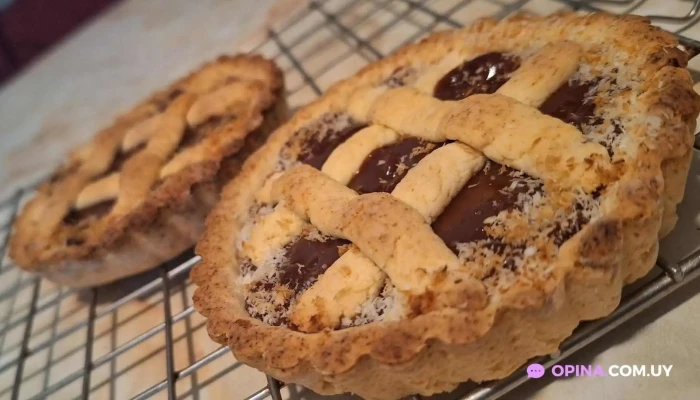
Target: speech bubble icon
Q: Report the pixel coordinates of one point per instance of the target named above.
(535, 371)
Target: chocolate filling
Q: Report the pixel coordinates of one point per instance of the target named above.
(570, 103)
(484, 74)
(494, 189)
(486, 194)
(564, 230)
(95, 211)
(121, 158)
(306, 260)
(573, 103)
(74, 241)
(317, 150)
(384, 168)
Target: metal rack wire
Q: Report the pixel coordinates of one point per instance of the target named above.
(310, 47)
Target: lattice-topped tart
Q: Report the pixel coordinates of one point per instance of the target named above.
(455, 209)
(138, 193)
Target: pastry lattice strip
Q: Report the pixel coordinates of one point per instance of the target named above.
(153, 141)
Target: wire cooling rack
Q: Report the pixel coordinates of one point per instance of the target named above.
(140, 338)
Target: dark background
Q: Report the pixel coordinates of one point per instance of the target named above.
(30, 27)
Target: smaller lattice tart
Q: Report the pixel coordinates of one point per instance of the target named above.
(455, 209)
(138, 193)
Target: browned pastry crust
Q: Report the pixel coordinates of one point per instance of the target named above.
(434, 350)
(163, 191)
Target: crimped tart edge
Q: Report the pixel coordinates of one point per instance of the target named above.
(435, 351)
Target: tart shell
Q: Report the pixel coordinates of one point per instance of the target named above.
(171, 217)
(436, 351)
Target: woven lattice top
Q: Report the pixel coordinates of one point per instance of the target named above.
(391, 234)
(153, 151)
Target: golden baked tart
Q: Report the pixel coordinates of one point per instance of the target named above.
(138, 193)
(455, 209)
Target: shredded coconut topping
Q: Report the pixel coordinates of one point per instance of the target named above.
(387, 306)
(522, 241)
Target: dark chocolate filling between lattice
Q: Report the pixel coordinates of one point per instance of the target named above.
(494, 189)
